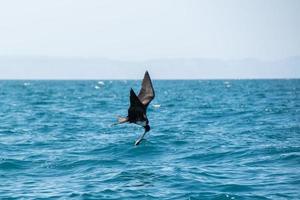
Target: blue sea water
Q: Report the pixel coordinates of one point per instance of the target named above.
(210, 139)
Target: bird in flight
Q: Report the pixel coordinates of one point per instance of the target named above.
(137, 111)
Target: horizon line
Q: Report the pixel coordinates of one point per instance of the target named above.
(157, 79)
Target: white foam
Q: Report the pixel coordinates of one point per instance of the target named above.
(227, 84)
(101, 83)
(156, 105)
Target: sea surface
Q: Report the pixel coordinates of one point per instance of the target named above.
(209, 139)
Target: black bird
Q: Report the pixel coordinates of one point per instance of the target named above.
(137, 112)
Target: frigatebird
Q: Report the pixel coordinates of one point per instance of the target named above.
(137, 111)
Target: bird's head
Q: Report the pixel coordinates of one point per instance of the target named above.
(147, 128)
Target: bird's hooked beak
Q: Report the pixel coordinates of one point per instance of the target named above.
(147, 128)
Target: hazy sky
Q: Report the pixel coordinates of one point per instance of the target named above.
(139, 30)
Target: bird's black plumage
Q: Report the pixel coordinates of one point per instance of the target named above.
(147, 93)
(137, 111)
(138, 104)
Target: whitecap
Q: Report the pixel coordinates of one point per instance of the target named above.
(101, 83)
(97, 87)
(227, 84)
(156, 105)
(26, 84)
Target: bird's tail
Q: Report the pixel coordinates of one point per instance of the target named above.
(121, 120)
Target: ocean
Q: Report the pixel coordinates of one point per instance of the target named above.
(209, 139)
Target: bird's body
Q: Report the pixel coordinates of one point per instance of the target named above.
(137, 111)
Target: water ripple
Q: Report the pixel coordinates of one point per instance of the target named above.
(233, 139)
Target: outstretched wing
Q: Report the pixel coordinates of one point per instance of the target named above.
(134, 100)
(136, 111)
(146, 94)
